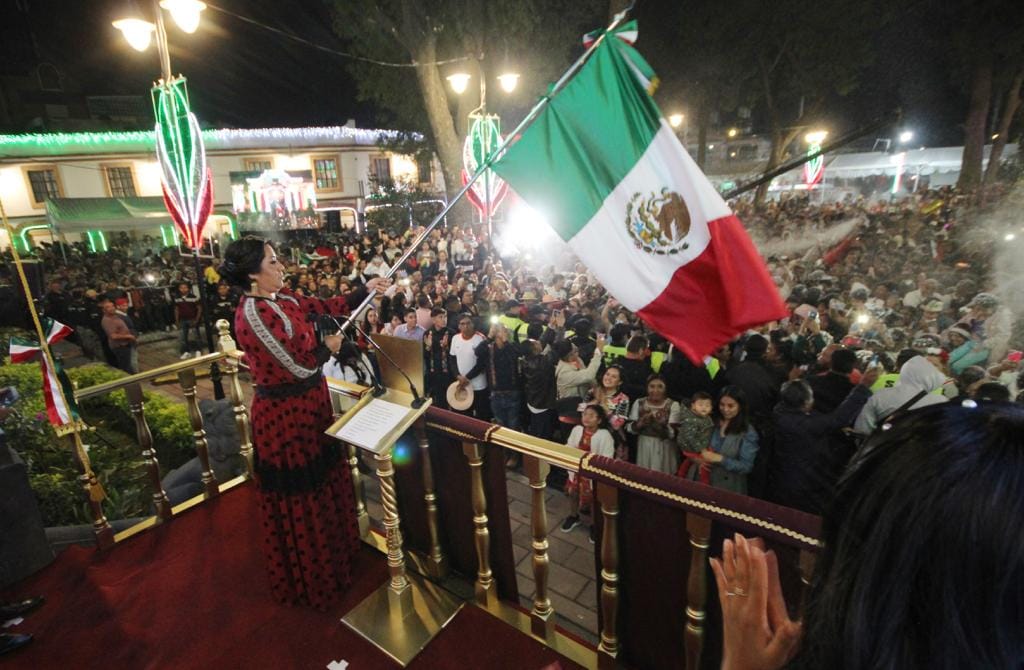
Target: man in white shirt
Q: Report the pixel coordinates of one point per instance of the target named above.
(410, 330)
(376, 267)
(468, 357)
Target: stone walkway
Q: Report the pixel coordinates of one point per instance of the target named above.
(571, 583)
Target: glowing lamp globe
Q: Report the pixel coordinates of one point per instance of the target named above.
(184, 12)
(508, 81)
(906, 136)
(139, 33)
(676, 120)
(459, 81)
(816, 137)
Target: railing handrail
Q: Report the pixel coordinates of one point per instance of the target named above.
(172, 368)
(771, 521)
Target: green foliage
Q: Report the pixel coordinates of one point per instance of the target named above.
(111, 439)
(397, 202)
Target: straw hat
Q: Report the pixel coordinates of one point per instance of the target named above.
(460, 399)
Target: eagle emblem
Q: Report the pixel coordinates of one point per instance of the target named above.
(659, 222)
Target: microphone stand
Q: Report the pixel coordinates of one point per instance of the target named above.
(378, 387)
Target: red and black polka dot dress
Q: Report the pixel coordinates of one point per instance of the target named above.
(310, 532)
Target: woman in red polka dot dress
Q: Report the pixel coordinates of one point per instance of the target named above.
(310, 531)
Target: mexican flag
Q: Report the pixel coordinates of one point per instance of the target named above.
(612, 179)
(57, 389)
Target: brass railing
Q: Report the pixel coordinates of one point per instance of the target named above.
(185, 371)
(538, 458)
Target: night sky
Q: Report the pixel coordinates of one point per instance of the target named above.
(243, 76)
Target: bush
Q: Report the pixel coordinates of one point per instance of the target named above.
(111, 442)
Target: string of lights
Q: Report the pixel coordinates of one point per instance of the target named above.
(343, 54)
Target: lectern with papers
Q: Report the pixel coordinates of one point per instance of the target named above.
(403, 615)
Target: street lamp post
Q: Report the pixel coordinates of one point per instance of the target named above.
(185, 177)
(459, 83)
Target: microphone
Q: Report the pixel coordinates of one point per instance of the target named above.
(378, 388)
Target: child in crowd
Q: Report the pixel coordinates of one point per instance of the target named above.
(591, 436)
(693, 436)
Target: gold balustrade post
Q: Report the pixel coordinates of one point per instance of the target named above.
(227, 345)
(608, 649)
(484, 586)
(93, 492)
(137, 406)
(542, 616)
(437, 564)
(399, 593)
(699, 530)
(187, 379)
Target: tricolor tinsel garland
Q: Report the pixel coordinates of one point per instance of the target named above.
(60, 395)
(185, 177)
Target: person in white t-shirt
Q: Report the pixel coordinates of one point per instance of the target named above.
(468, 357)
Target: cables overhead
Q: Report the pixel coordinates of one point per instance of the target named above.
(320, 47)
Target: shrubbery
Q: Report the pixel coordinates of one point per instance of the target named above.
(113, 448)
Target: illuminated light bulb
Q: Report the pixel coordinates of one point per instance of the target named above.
(139, 33)
(508, 81)
(1010, 237)
(906, 136)
(184, 12)
(816, 137)
(459, 82)
(676, 120)
(733, 132)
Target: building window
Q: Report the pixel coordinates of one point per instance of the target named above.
(258, 164)
(380, 169)
(425, 169)
(325, 173)
(44, 185)
(121, 182)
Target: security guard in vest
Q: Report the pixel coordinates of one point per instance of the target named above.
(510, 319)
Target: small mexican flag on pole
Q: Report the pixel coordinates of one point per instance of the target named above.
(612, 179)
(57, 390)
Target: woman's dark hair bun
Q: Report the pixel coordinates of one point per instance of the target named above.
(241, 259)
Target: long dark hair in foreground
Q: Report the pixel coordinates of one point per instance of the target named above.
(923, 565)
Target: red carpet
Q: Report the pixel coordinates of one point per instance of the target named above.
(193, 594)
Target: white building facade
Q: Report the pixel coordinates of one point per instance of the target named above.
(73, 184)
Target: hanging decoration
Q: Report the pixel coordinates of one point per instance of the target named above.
(484, 136)
(185, 177)
(814, 169)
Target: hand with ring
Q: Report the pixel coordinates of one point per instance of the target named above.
(758, 633)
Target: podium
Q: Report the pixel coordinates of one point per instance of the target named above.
(404, 614)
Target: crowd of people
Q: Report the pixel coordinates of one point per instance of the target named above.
(898, 312)
(892, 308)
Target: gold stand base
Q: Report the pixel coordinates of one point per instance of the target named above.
(401, 638)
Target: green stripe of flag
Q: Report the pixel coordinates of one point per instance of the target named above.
(584, 142)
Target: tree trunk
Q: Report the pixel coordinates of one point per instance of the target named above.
(449, 149)
(974, 127)
(1003, 130)
(778, 149)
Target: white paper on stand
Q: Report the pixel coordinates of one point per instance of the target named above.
(370, 424)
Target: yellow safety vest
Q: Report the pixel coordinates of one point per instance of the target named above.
(612, 352)
(657, 358)
(510, 322)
